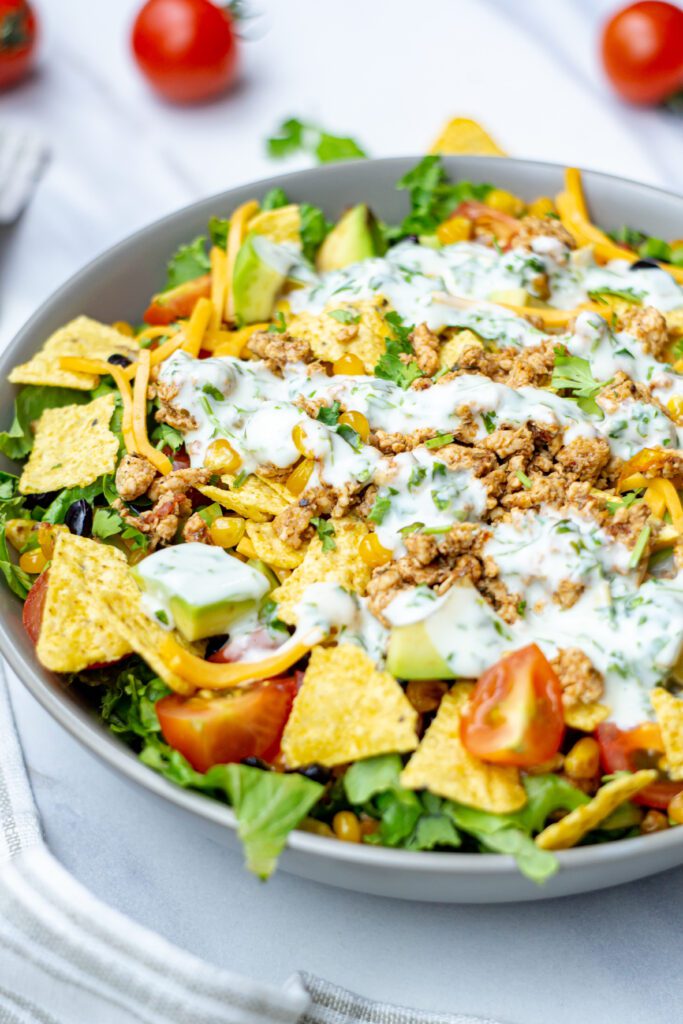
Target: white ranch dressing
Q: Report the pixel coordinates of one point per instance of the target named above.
(326, 608)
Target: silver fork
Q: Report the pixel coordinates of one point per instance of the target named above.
(23, 157)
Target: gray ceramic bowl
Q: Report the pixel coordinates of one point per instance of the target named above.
(117, 286)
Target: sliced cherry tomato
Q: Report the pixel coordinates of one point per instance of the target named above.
(166, 307)
(501, 225)
(247, 722)
(631, 749)
(18, 29)
(32, 615)
(642, 51)
(515, 715)
(187, 49)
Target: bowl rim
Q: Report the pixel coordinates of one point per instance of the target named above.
(90, 733)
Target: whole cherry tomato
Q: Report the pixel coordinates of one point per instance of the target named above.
(515, 715)
(18, 29)
(186, 49)
(642, 50)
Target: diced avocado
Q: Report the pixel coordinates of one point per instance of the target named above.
(412, 655)
(257, 563)
(199, 588)
(261, 269)
(510, 296)
(355, 236)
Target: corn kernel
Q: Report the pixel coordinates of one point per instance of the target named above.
(425, 694)
(346, 827)
(123, 327)
(368, 826)
(300, 441)
(348, 364)
(299, 477)
(455, 229)
(246, 548)
(505, 202)
(47, 535)
(221, 457)
(654, 821)
(18, 531)
(372, 552)
(583, 760)
(541, 207)
(33, 561)
(675, 407)
(227, 531)
(358, 422)
(675, 809)
(318, 828)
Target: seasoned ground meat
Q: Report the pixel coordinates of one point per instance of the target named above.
(541, 227)
(160, 523)
(176, 417)
(568, 593)
(581, 682)
(426, 347)
(277, 350)
(196, 530)
(180, 481)
(293, 525)
(133, 476)
(648, 325)
(584, 458)
(394, 444)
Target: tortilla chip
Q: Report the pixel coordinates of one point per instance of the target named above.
(75, 631)
(674, 322)
(270, 549)
(462, 135)
(346, 710)
(567, 832)
(585, 717)
(254, 499)
(80, 337)
(73, 446)
(442, 765)
(455, 345)
(669, 711)
(331, 338)
(342, 565)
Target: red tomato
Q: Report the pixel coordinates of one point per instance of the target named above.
(32, 615)
(642, 50)
(219, 730)
(18, 28)
(633, 749)
(515, 715)
(186, 49)
(178, 302)
(501, 225)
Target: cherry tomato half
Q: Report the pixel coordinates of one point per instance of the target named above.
(32, 615)
(246, 722)
(186, 49)
(166, 307)
(515, 715)
(631, 749)
(18, 28)
(642, 51)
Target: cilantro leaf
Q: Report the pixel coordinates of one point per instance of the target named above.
(390, 365)
(574, 374)
(165, 435)
(344, 316)
(432, 197)
(380, 507)
(188, 262)
(296, 136)
(350, 435)
(218, 231)
(274, 199)
(313, 228)
(106, 523)
(279, 325)
(325, 530)
(329, 414)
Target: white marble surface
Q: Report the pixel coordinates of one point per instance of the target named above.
(389, 72)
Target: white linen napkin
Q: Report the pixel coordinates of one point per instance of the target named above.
(67, 958)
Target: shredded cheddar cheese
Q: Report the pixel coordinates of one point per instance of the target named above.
(236, 233)
(215, 676)
(152, 454)
(197, 326)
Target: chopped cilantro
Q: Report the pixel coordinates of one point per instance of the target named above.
(213, 392)
(106, 523)
(313, 228)
(165, 435)
(325, 530)
(188, 262)
(440, 501)
(274, 199)
(639, 547)
(344, 316)
(405, 531)
(239, 479)
(574, 374)
(439, 441)
(521, 608)
(218, 231)
(390, 365)
(381, 506)
(417, 475)
(627, 294)
(329, 414)
(280, 324)
(350, 435)
(523, 479)
(162, 616)
(432, 197)
(489, 419)
(296, 136)
(625, 502)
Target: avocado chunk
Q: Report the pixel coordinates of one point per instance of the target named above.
(200, 589)
(436, 640)
(511, 296)
(355, 236)
(261, 269)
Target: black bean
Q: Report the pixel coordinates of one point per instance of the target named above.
(314, 772)
(119, 360)
(79, 518)
(255, 762)
(646, 264)
(214, 643)
(40, 500)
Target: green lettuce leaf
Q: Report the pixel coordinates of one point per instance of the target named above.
(498, 834)
(29, 406)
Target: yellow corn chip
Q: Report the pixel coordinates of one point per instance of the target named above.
(81, 337)
(280, 225)
(270, 549)
(567, 832)
(347, 710)
(585, 717)
(342, 565)
(73, 447)
(669, 711)
(674, 321)
(331, 338)
(453, 347)
(254, 499)
(76, 632)
(462, 135)
(442, 765)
